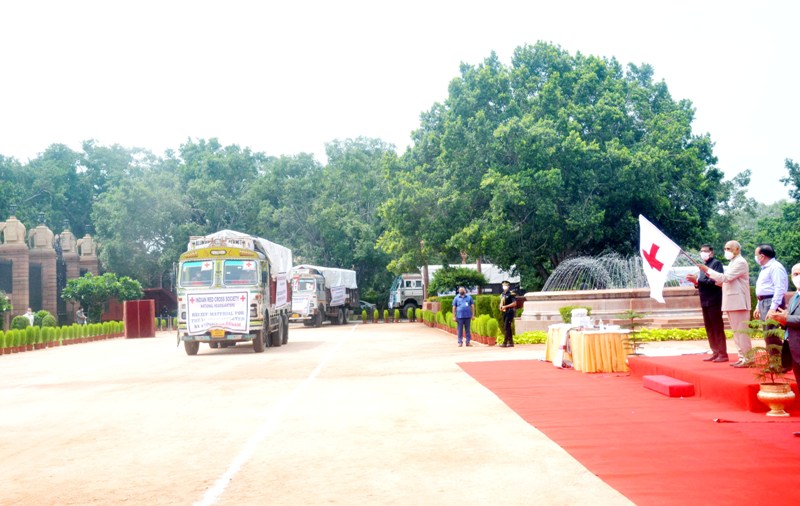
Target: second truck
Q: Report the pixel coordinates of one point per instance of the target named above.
(323, 293)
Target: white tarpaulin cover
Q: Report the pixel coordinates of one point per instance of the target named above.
(334, 277)
(279, 256)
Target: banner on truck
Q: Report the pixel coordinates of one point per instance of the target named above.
(338, 294)
(225, 310)
(280, 290)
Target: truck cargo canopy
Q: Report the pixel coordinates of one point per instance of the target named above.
(279, 256)
(333, 276)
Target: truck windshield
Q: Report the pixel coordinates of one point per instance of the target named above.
(240, 272)
(197, 273)
(304, 285)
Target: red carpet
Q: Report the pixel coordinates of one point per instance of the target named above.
(719, 382)
(653, 449)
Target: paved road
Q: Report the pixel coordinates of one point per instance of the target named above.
(357, 414)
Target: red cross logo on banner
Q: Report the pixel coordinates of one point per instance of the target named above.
(243, 298)
(191, 300)
(651, 257)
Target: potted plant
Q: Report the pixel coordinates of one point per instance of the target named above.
(397, 316)
(774, 389)
(634, 322)
(375, 316)
(363, 316)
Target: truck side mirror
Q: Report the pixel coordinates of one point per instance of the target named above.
(264, 277)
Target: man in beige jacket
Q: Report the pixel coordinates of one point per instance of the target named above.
(735, 282)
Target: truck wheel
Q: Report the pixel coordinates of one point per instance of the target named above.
(319, 318)
(276, 338)
(258, 342)
(342, 316)
(285, 323)
(191, 347)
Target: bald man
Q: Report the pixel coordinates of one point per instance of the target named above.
(735, 282)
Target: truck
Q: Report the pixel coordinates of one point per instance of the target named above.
(322, 293)
(231, 288)
(407, 289)
(406, 292)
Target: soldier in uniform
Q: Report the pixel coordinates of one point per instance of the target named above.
(508, 306)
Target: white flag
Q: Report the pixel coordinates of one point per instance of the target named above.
(658, 254)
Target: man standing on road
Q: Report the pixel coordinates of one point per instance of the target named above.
(771, 287)
(508, 306)
(463, 311)
(711, 304)
(735, 297)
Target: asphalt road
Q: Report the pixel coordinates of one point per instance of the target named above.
(357, 414)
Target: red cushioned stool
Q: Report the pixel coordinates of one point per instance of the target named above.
(670, 387)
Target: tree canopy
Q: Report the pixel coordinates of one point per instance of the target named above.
(552, 156)
(93, 292)
(523, 165)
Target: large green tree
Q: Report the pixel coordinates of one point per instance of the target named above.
(553, 156)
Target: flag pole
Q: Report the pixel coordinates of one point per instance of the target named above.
(690, 258)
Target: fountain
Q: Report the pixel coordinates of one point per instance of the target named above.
(611, 284)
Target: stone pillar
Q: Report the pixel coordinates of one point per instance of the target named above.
(88, 255)
(69, 253)
(14, 249)
(40, 240)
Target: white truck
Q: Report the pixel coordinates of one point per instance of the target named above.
(406, 292)
(322, 293)
(407, 289)
(232, 288)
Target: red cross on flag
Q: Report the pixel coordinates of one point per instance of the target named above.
(658, 254)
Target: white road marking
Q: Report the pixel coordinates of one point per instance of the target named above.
(213, 494)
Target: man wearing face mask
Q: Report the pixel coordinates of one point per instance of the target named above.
(790, 318)
(735, 283)
(770, 287)
(711, 304)
(508, 306)
(464, 311)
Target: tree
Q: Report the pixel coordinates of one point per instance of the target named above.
(449, 279)
(93, 292)
(556, 155)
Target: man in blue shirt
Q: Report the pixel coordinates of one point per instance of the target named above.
(771, 286)
(463, 312)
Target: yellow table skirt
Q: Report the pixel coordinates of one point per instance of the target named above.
(555, 336)
(598, 351)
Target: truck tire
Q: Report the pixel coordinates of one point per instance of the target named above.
(258, 342)
(276, 338)
(319, 318)
(342, 316)
(191, 347)
(285, 323)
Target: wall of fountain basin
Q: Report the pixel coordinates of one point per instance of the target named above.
(681, 308)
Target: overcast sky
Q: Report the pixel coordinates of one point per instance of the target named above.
(288, 77)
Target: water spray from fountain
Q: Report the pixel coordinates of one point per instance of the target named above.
(609, 271)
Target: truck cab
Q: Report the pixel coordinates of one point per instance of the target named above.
(406, 292)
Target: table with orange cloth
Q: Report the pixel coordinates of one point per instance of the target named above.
(599, 350)
(555, 336)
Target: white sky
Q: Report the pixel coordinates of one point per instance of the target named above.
(287, 77)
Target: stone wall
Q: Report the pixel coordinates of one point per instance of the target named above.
(680, 310)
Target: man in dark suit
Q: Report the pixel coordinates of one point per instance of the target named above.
(711, 303)
(790, 318)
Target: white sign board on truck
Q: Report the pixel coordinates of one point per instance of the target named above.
(226, 310)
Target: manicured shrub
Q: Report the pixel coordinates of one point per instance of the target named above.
(411, 314)
(386, 314)
(375, 315)
(397, 315)
(20, 322)
(49, 320)
(364, 315)
(492, 327)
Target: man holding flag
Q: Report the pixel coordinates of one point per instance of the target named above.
(735, 283)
